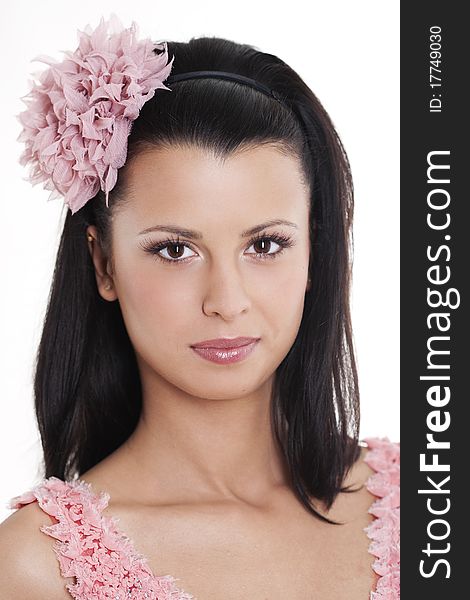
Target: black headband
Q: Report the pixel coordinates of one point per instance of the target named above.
(240, 79)
(225, 75)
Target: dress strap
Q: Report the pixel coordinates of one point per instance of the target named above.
(384, 530)
(90, 547)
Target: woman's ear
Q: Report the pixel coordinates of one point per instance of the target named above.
(104, 280)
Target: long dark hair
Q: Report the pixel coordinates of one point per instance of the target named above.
(86, 383)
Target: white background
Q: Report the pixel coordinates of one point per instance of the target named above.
(347, 52)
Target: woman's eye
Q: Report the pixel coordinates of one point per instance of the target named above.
(263, 245)
(175, 252)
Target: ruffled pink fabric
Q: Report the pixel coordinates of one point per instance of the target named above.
(80, 114)
(105, 564)
(90, 547)
(384, 531)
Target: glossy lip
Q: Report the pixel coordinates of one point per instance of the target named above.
(224, 356)
(225, 343)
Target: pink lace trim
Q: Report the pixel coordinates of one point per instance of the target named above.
(90, 548)
(105, 564)
(384, 530)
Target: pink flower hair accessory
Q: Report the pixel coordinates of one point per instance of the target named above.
(80, 114)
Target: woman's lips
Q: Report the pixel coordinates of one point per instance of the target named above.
(225, 343)
(226, 355)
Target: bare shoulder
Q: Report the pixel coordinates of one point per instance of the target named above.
(30, 569)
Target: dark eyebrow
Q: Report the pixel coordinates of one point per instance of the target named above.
(197, 235)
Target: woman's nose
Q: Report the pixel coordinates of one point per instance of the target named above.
(225, 293)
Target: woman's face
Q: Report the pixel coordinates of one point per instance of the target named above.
(217, 281)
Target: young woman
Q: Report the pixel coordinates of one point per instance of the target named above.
(196, 389)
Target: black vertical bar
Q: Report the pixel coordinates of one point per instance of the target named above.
(435, 270)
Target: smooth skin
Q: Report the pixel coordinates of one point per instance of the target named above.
(201, 486)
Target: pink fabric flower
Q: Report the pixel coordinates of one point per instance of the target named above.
(80, 114)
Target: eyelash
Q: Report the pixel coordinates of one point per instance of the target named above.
(284, 241)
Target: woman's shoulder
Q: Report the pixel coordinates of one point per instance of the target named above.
(29, 567)
(68, 512)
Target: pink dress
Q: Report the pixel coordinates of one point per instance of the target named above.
(90, 547)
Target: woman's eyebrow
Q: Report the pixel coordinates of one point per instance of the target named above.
(197, 235)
